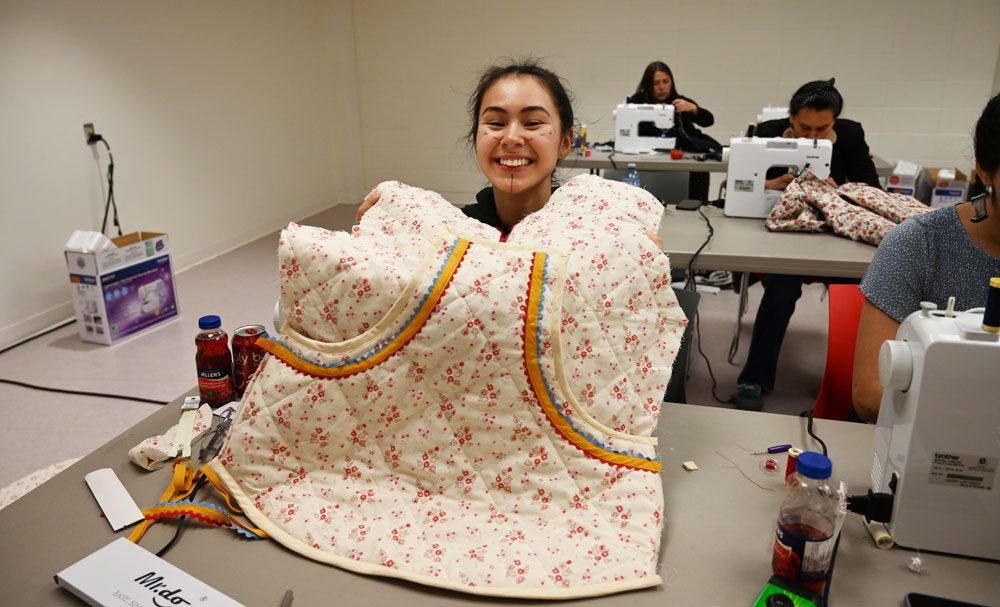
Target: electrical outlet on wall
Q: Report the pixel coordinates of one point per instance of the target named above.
(90, 134)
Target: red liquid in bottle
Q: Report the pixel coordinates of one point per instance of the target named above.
(214, 362)
(804, 540)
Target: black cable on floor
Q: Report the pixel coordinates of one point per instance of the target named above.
(83, 392)
(37, 335)
(22, 384)
(697, 331)
(708, 239)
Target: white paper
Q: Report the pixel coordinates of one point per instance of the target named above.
(118, 506)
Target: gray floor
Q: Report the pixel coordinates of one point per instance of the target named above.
(42, 428)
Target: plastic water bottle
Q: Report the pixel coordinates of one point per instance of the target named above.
(632, 176)
(803, 544)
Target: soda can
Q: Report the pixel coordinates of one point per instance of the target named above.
(246, 355)
(793, 456)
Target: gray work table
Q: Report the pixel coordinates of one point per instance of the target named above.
(744, 245)
(716, 544)
(600, 159)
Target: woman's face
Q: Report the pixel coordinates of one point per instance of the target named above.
(520, 138)
(812, 124)
(662, 85)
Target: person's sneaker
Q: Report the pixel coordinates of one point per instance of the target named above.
(720, 278)
(748, 397)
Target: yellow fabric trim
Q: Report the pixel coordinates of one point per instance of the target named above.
(535, 376)
(181, 486)
(406, 335)
(214, 480)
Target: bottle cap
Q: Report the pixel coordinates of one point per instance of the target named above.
(209, 322)
(631, 165)
(814, 465)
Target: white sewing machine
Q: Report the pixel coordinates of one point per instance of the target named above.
(628, 117)
(151, 296)
(937, 443)
(751, 157)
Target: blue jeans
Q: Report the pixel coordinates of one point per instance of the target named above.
(781, 291)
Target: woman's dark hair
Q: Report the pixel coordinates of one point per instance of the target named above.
(645, 87)
(987, 138)
(526, 67)
(817, 95)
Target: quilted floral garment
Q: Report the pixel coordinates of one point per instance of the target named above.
(462, 412)
(855, 210)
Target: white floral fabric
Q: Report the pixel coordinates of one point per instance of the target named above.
(154, 452)
(463, 412)
(855, 210)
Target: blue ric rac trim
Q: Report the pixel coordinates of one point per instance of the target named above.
(548, 390)
(381, 346)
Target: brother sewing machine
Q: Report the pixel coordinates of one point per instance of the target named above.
(751, 157)
(937, 443)
(628, 119)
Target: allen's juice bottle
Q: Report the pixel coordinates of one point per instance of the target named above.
(803, 544)
(214, 362)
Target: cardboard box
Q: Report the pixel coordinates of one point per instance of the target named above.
(910, 179)
(951, 187)
(122, 289)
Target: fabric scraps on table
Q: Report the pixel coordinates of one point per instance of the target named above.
(855, 210)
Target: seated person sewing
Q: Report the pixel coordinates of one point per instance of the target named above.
(814, 112)
(952, 251)
(657, 86)
(521, 125)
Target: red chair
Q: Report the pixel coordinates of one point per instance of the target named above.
(835, 400)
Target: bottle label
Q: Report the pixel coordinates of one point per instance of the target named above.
(802, 554)
(215, 384)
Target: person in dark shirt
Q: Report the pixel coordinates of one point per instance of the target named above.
(814, 112)
(657, 85)
(521, 126)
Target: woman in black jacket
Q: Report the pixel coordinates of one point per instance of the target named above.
(657, 86)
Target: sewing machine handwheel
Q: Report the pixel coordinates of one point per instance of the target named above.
(895, 365)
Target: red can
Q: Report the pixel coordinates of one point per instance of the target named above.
(793, 457)
(246, 355)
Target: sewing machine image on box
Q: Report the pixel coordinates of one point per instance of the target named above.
(751, 157)
(632, 120)
(937, 443)
(152, 296)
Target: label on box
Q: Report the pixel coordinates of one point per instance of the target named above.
(123, 573)
(138, 296)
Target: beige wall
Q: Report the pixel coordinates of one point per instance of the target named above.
(227, 119)
(914, 73)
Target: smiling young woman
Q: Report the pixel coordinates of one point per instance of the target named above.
(521, 125)
(522, 121)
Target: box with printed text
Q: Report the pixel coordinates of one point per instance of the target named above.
(951, 187)
(122, 286)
